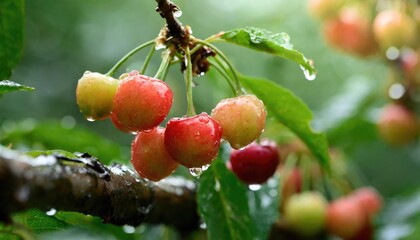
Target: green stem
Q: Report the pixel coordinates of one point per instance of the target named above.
(127, 56)
(166, 60)
(224, 74)
(227, 61)
(189, 83)
(147, 60)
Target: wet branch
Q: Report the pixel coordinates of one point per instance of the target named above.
(121, 198)
(167, 10)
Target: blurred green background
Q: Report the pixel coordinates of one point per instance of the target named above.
(65, 38)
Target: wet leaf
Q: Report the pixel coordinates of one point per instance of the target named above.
(223, 205)
(266, 41)
(11, 35)
(290, 111)
(9, 86)
(39, 222)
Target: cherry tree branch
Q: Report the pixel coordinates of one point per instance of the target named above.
(118, 195)
(167, 10)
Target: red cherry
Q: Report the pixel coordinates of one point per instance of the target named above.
(369, 199)
(255, 163)
(149, 156)
(350, 31)
(141, 103)
(193, 141)
(345, 217)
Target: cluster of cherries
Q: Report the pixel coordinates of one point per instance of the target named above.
(138, 104)
(389, 29)
(309, 214)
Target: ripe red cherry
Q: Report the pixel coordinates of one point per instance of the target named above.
(392, 28)
(351, 32)
(149, 156)
(398, 125)
(95, 95)
(193, 141)
(255, 163)
(345, 217)
(141, 103)
(369, 199)
(241, 118)
(306, 213)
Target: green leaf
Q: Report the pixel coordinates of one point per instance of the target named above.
(266, 41)
(9, 86)
(54, 135)
(39, 222)
(223, 205)
(290, 111)
(11, 35)
(264, 206)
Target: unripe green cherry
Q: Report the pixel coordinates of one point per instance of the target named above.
(95, 95)
(306, 212)
(241, 118)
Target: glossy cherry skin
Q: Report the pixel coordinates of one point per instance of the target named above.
(255, 163)
(141, 103)
(398, 125)
(95, 95)
(193, 141)
(241, 118)
(149, 156)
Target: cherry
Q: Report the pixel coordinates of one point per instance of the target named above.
(291, 184)
(345, 217)
(141, 103)
(392, 28)
(255, 163)
(398, 125)
(241, 118)
(369, 199)
(149, 156)
(351, 32)
(323, 9)
(95, 94)
(306, 212)
(193, 141)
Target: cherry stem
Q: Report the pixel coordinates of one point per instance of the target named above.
(238, 90)
(222, 71)
(189, 82)
(147, 60)
(164, 65)
(127, 56)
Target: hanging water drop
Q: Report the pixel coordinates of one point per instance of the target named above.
(90, 119)
(196, 172)
(129, 229)
(51, 212)
(178, 13)
(308, 75)
(254, 187)
(87, 72)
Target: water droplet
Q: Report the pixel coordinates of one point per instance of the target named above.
(254, 187)
(129, 229)
(90, 119)
(87, 72)
(273, 193)
(203, 119)
(308, 75)
(160, 45)
(196, 172)
(51, 212)
(178, 13)
(205, 167)
(217, 186)
(134, 133)
(124, 76)
(203, 225)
